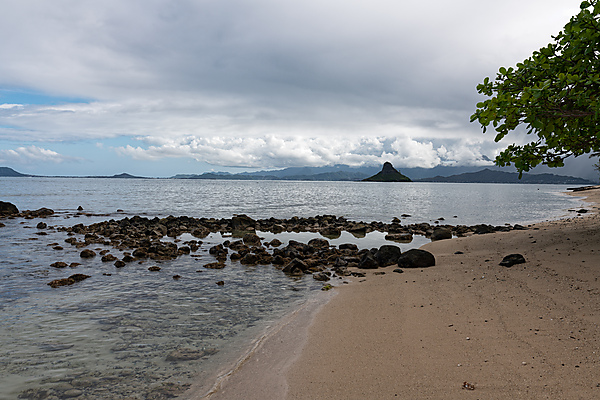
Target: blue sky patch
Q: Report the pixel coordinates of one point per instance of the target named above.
(22, 96)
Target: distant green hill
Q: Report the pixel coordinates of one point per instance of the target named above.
(388, 174)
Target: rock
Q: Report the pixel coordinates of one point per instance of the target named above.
(154, 268)
(214, 265)
(441, 234)
(108, 258)
(348, 246)
(128, 258)
(483, 229)
(40, 213)
(295, 267)
(331, 232)
(416, 258)
(275, 243)
(368, 261)
(68, 281)
(71, 393)
(8, 208)
(42, 225)
(120, 264)
(251, 239)
(221, 283)
(358, 230)
(242, 222)
(512, 259)
(387, 255)
(249, 259)
(318, 243)
(176, 277)
(321, 276)
(582, 211)
(87, 253)
(59, 264)
(398, 270)
(399, 237)
(201, 232)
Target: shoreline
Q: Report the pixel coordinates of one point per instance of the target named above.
(261, 370)
(423, 333)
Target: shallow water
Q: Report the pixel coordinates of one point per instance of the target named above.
(110, 336)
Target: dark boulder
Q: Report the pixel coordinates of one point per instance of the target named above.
(321, 276)
(483, 229)
(348, 246)
(275, 243)
(295, 267)
(108, 258)
(368, 261)
(318, 243)
(87, 253)
(399, 237)
(331, 232)
(59, 264)
(8, 208)
(251, 239)
(387, 255)
(242, 222)
(416, 258)
(68, 281)
(512, 259)
(441, 234)
(249, 259)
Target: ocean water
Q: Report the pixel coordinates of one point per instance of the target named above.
(116, 334)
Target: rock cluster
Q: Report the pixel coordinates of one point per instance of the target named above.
(10, 210)
(140, 238)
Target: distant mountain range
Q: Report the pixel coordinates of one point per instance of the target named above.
(347, 173)
(490, 176)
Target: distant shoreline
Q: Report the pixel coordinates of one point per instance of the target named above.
(314, 175)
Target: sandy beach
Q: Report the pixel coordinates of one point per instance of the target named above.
(530, 331)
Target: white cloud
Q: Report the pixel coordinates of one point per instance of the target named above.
(279, 151)
(32, 154)
(9, 106)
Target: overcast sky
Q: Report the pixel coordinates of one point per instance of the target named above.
(158, 87)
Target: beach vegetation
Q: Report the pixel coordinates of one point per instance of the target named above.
(554, 95)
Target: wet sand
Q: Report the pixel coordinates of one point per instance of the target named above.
(526, 332)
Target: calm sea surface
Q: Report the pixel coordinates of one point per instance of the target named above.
(110, 336)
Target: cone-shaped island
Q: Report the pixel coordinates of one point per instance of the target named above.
(388, 174)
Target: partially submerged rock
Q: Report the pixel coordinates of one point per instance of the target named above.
(7, 209)
(68, 281)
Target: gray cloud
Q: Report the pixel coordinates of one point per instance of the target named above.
(262, 83)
